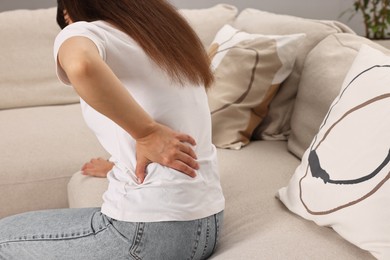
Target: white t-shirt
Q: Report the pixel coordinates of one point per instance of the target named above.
(166, 194)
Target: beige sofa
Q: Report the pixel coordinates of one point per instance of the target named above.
(44, 140)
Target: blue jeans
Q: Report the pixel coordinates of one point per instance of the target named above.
(89, 234)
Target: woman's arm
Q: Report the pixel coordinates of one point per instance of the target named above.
(97, 85)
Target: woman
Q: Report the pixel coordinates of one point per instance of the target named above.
(141, 74)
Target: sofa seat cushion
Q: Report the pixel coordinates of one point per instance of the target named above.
(41, 148)
(256, 224)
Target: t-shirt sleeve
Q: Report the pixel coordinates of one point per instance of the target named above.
(84, 29)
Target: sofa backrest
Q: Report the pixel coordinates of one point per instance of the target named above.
(207, 22)
(27, 71)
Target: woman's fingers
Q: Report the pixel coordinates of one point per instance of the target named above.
(168, 148)
(182, 162)
(97, 168)
(140, 169)
(183, 168)
(187, 155)
(184, 138)
(181, 159)
(184, 148)
(181, 155)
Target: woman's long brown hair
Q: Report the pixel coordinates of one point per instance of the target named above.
(156, 26)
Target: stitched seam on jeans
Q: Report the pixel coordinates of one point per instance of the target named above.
(137, 240)
(216, 232)
(207, 237)
(54, 238)
(197, 238)
(120, 235)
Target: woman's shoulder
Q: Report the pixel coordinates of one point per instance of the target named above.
(99, 29)
(82, 27)
(90, 30)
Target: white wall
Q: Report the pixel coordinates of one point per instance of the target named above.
(25, 4)
(316, 9)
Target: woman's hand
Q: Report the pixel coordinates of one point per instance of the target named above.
(97, 168)
(166, 147)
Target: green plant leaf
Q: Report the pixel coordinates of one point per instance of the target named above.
(376, 16)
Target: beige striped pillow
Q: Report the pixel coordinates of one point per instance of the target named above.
(249, 69)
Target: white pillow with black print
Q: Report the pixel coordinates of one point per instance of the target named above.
(342, 181)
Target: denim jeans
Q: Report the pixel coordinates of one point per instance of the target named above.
(89, 234)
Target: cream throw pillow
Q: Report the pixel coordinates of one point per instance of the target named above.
(249, 69)
(342, 181)
(276, 125)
